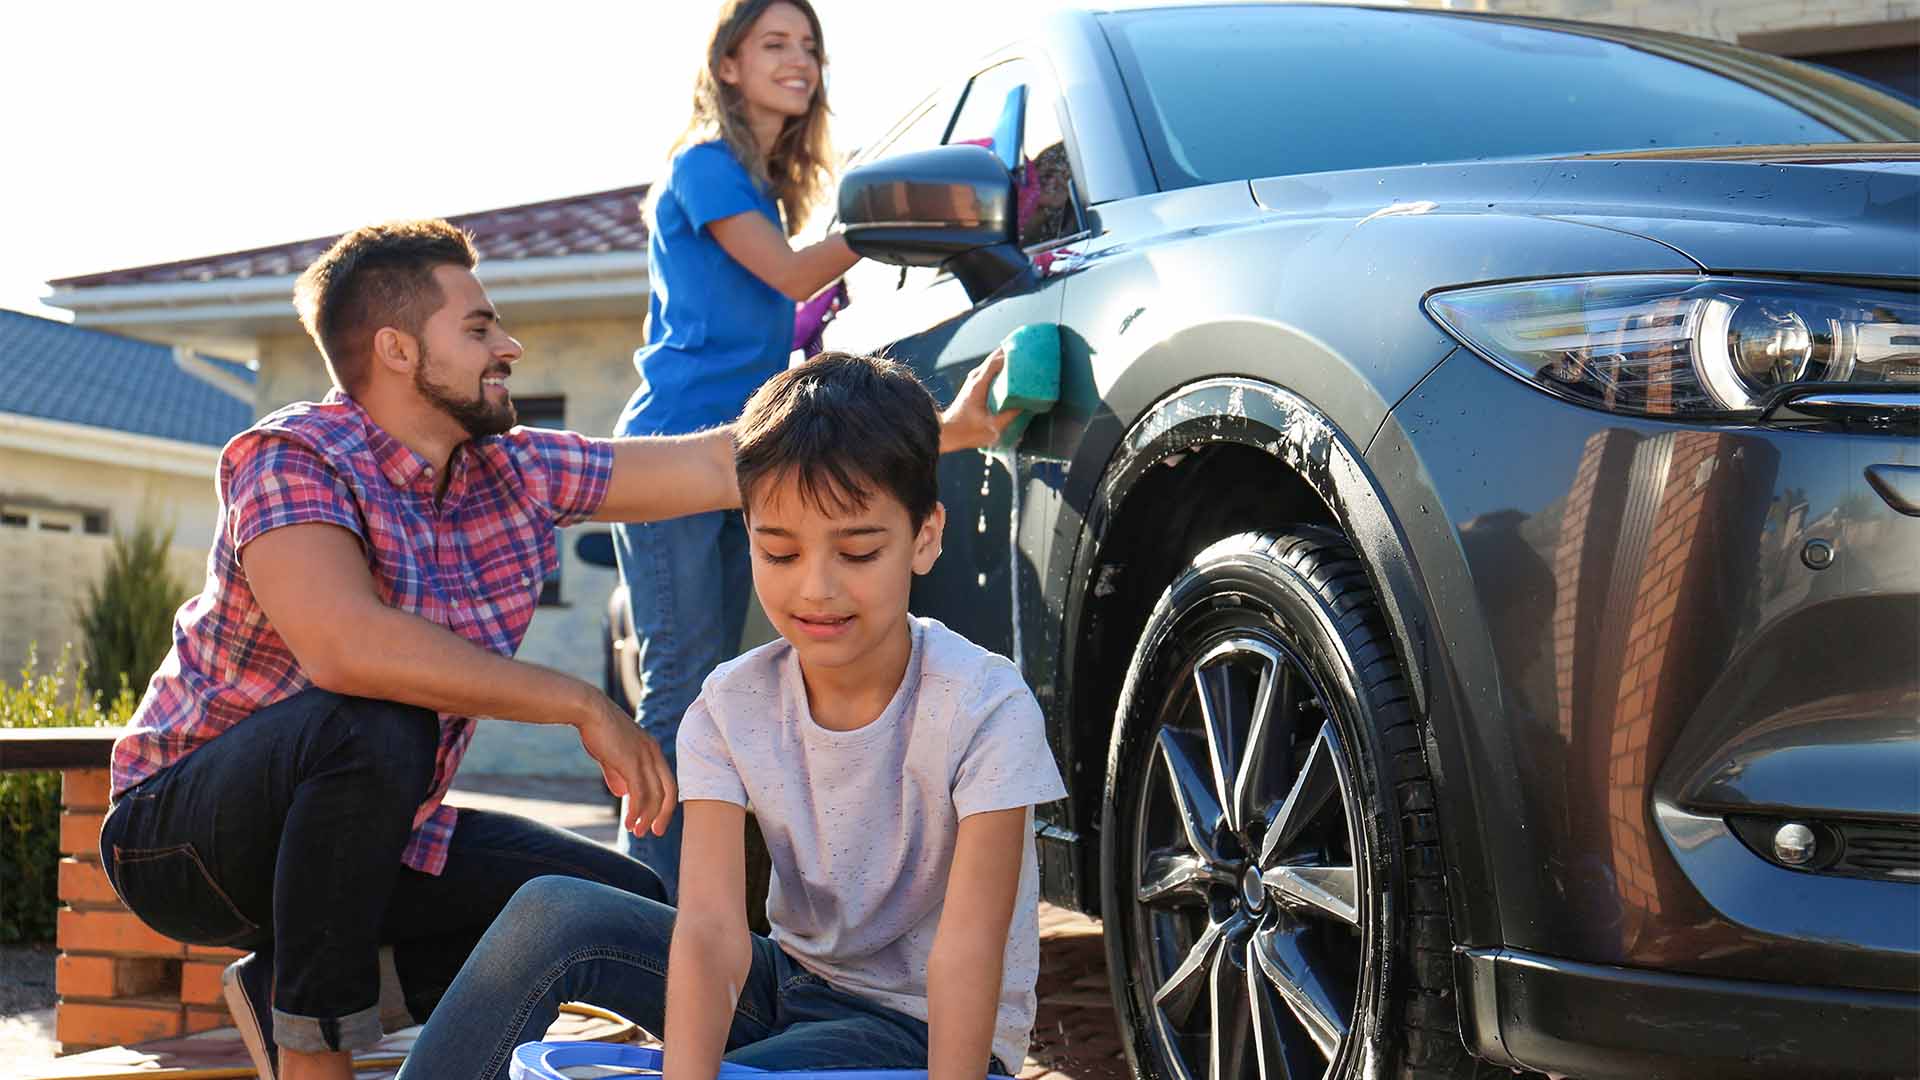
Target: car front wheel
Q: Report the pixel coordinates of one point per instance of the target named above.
(1274, 892)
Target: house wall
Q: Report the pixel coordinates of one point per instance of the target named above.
(186, 503)
(1723, 19)
(48, 573)
(589, 362)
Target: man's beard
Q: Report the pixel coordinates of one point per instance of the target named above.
(479, 418)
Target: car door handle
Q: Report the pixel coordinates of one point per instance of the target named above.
(1899, 485)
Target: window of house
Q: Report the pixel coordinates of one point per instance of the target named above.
(54, 519)
(545, 412)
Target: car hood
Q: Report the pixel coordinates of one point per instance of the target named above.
(1845, 211)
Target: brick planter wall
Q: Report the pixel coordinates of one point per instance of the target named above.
(119, 981)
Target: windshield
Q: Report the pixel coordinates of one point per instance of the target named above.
(1234, 93)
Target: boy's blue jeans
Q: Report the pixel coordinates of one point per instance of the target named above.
(561, 939)
(688, 582)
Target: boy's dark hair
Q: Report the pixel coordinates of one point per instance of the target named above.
(842, 427)
(379, 275)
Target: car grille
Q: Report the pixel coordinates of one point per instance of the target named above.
(1886, 851)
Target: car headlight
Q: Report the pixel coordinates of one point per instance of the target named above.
(1686, 347)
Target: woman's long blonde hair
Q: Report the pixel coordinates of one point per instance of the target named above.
(798, 169)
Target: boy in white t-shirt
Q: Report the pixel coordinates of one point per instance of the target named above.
(892, 766)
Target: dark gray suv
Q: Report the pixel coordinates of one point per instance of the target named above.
(1473, 572)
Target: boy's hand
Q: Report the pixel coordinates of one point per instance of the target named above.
(632, 764)
(968, 424)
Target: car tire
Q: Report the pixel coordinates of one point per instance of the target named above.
(611, 676)
(1274, 891)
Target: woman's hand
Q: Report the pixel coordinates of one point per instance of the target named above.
(968, 424)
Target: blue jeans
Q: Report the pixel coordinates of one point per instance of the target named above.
(562, 939)
(283, 836)
(688, 582)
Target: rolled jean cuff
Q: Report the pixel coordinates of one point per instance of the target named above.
(394, 1013)
(317, 1035)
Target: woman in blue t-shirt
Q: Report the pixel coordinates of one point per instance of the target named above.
(725, 279)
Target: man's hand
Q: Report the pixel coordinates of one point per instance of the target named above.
(968, 424)
(632, 764)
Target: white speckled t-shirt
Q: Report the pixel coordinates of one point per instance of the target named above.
(862, 824)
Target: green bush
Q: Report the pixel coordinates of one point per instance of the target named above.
(30, 801)
(127, 621)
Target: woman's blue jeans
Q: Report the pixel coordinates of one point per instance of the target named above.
(688, 581)
(561, 939)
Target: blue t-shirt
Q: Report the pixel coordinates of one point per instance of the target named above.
(715, 331)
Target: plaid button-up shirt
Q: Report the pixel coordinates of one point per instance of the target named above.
(472, 562)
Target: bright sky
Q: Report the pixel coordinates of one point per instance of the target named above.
(139, 133)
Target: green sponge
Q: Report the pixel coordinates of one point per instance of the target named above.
(1030, 379)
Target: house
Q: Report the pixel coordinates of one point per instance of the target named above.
(1872, 40)
(97, 431)
(569, 276)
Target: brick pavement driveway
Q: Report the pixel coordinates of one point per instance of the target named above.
(1075, 1033)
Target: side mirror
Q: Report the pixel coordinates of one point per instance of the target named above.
(596, 548)
(952, 206)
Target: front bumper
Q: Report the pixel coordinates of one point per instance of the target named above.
(1589, 1020)
(1634, 640)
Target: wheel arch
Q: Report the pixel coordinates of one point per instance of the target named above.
(1227, 453)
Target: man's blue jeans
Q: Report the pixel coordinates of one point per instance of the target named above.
(568, 940)
(688, 582)
(283, 835)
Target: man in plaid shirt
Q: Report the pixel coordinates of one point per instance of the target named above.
(379, 558)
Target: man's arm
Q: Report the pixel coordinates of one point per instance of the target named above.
(711, 955)
(964, 969)
(312, 583)
(666, 476)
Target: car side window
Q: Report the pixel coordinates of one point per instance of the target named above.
(921, 129)
(1048, 209)
(983, 112)
(1042, 178)
(923, 132)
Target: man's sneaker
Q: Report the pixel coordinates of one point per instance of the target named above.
(247, 985)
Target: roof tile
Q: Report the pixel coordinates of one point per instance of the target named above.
(595, 223)
(55, 371)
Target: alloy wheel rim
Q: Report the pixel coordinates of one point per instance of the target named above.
(1248, 898)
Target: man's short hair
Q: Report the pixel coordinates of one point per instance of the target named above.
(842, 427)
(379, 275)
